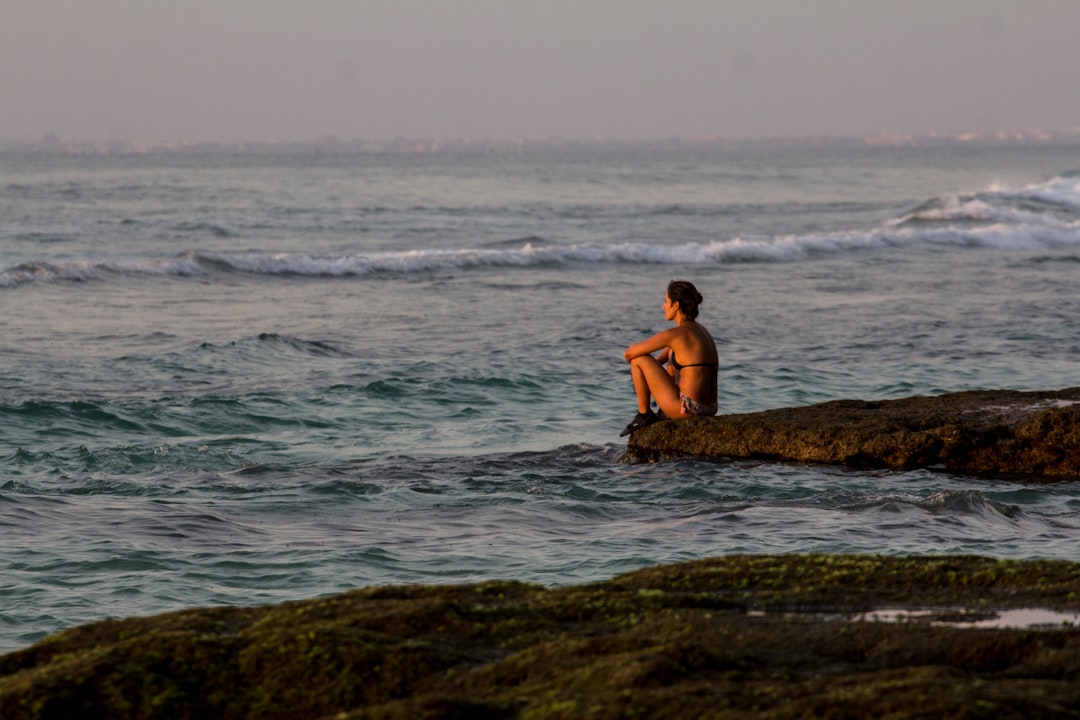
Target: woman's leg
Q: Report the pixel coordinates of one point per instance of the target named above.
(651, 381)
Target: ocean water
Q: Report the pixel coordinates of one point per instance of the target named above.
(243, 379)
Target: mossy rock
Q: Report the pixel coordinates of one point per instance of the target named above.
(730, 637)
(1005, 433)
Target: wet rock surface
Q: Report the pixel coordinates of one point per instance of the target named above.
(1002, 432)
(733, 637)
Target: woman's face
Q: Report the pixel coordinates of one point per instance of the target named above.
(670, 308)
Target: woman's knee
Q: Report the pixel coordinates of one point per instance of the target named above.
(643, 361)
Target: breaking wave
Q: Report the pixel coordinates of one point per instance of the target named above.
(1039, 216)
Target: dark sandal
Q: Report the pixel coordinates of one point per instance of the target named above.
(640, 420)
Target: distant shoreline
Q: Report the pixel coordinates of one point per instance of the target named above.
(53, 144)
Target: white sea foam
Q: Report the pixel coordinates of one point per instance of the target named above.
(785, 248)
(1037, 216)
(84, 270)
(996, 218)
(1021, 618)
(1050, 205)
(46, 272)
(1063, 190)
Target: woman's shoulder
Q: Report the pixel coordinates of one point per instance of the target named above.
(703, 338)
(697, 330)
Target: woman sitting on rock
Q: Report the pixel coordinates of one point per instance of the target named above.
(687, 387)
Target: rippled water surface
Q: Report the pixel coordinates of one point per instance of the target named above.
(242, 379)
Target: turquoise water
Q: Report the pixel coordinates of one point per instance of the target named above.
(237, 379)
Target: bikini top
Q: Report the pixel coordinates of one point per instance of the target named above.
(677, 366)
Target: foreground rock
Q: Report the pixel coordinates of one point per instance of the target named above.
(709, 638)
(1035, 434)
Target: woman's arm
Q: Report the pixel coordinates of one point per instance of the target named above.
(660, 341)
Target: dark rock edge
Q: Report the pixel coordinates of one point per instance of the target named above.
(676, 641)
(1034, 434)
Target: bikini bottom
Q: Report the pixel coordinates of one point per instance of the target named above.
(690, 406)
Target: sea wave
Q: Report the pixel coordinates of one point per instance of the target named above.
(1053, 204)
(786, 248)
(1039, 216)
(86, 270)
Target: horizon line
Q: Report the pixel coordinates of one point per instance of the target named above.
(51, 141)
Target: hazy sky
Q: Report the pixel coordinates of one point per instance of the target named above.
(172, 70)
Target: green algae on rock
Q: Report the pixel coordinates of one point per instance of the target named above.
(1004, 432)
(675, 641)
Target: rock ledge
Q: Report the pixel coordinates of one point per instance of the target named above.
(1002, 432)
(742, 636)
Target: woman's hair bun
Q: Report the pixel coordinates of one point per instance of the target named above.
(686, 295)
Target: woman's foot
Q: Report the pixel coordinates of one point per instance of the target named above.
(640, 420)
